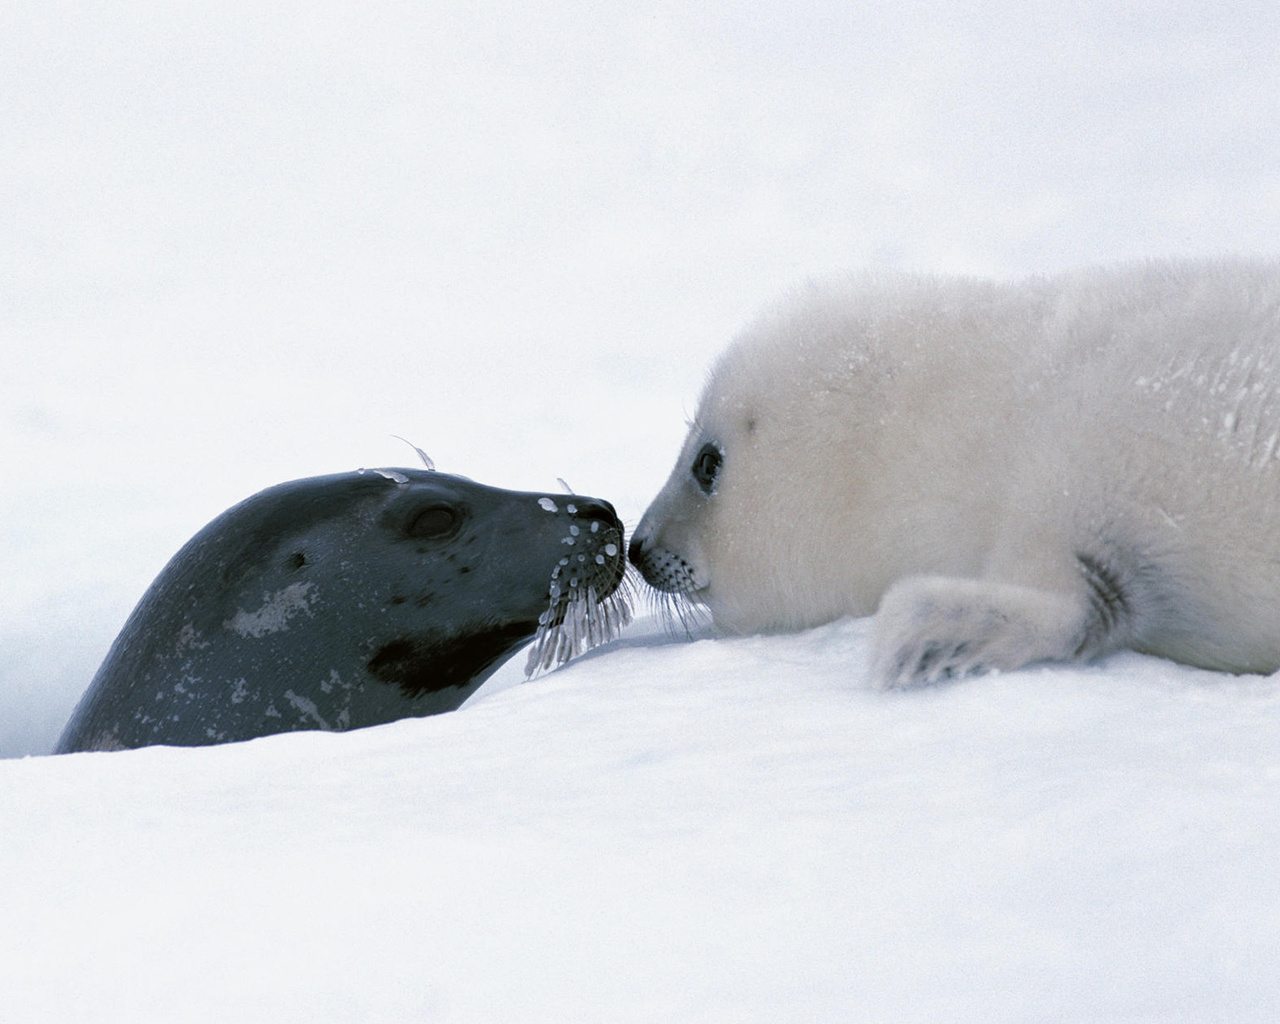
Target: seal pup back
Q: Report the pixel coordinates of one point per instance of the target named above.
(1003, 473)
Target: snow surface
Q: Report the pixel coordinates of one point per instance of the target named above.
(244, 243)
(733, 830)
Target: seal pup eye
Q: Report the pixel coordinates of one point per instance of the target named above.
(706, 464)
(437, 521)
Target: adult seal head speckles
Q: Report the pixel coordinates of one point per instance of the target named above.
(1002, 472)
(350, 600)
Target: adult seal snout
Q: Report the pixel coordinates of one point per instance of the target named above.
(351, 600)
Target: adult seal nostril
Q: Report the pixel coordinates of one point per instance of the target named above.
(582, 507)
(350, 600)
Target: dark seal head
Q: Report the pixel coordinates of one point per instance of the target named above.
(351, 600)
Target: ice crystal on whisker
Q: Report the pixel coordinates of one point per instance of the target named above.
(573, 625)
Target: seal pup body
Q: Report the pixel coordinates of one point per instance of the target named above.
(345, 601)
(1002, 473)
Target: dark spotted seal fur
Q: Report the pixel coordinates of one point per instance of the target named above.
(350, 600)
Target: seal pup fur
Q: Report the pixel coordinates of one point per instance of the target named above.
(351, 600)
(1004, 473)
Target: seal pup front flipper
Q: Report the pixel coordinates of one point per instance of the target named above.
(930, 628)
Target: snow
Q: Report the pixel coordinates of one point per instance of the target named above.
(241, 244)
(717, 830)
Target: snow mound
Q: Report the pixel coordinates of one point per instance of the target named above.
(725, 829)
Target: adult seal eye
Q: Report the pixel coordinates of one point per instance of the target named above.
(706, 464)
(433, 522)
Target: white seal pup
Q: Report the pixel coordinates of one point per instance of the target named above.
(1047, 470)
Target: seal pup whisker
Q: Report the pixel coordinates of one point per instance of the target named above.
(679, 612)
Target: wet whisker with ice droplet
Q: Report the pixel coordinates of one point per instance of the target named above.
(576, 622)
(577, 617)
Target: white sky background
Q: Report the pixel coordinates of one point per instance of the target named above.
(242, 245)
